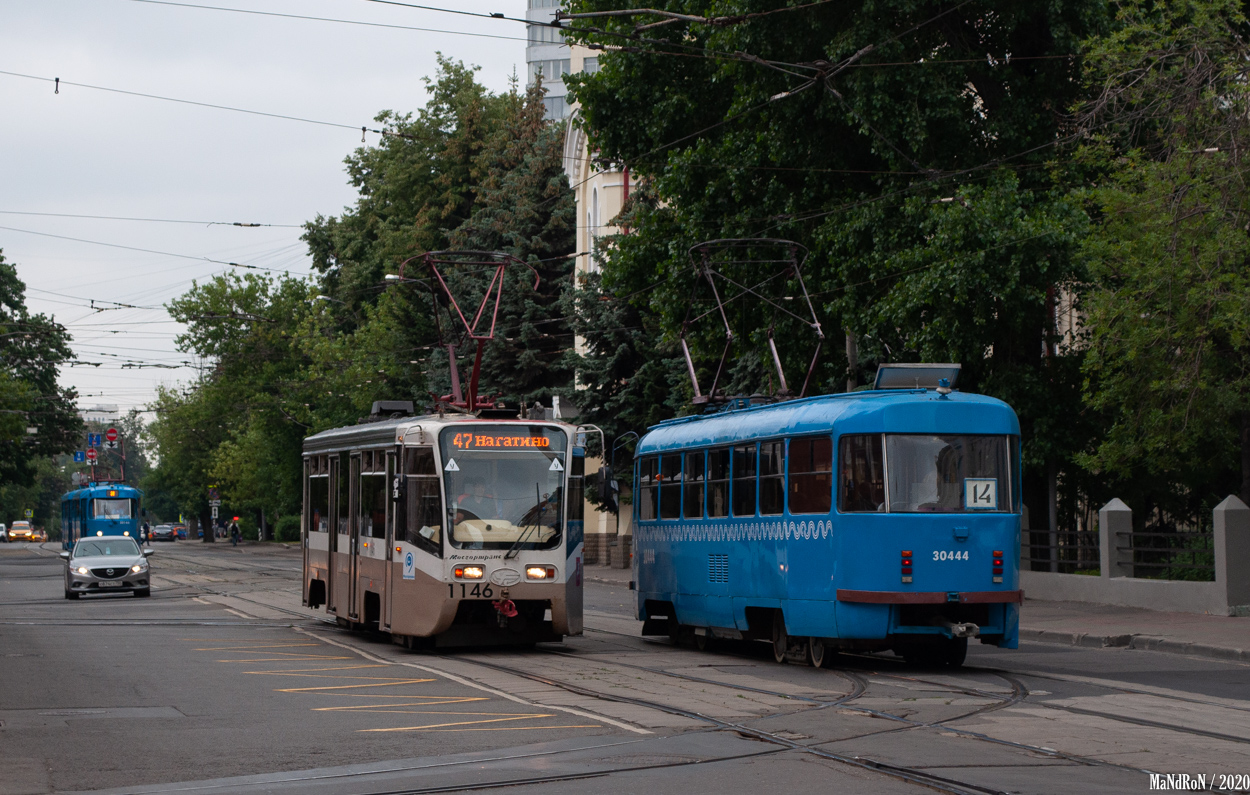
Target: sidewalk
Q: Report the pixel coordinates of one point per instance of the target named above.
(1097, 626)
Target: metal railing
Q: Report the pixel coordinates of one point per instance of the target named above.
(1072, 552)
(1170, 555)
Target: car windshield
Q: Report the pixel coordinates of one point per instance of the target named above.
(948, 473)
(110, 509)
(106, 548)
(505, 485)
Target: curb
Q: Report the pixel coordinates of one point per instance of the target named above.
(1139, 642)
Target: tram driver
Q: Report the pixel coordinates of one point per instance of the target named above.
(477, 503)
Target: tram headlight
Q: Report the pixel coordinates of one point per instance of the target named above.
(82, 570)
(99, 532)
(469, 572)
(540, 572)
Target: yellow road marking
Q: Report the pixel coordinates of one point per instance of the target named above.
(248, 648)
(457, 723)
(511, 728)
(286, 659)
(295, 655)
(344, 687)
(340, 676)
(375, 708)
(300, 670)
(448, 699)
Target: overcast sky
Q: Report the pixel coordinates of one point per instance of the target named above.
(91, 152)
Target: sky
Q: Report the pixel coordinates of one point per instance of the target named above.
(85, 151)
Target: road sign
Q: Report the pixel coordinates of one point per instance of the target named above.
(91, 455)
(29, 513)
(214, 511)
(93, 440)
(110, 445)
(79, 456)
(111, 434)
(214, 503)
(213, 495)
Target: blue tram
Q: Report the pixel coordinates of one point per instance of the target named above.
(742, 529)
(100, 509)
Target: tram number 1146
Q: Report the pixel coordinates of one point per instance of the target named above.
(479, 590)
(959, 554)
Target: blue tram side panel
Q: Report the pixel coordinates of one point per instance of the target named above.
(100, 509)
(740, 521)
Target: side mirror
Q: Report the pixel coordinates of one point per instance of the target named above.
(147, 553)
(64, 555)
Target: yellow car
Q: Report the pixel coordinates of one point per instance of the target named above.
(21, 531)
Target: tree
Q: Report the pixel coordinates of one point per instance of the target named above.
(909, 146)
(32, 348)
(1169, 312)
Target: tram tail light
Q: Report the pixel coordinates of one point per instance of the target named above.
(906, 556)
(540, 572)
(998, 566)
(469, 572)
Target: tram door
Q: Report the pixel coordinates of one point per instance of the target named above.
(353, 541)
(392, 469)
(332, 564)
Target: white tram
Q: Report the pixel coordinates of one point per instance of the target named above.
(447, 530)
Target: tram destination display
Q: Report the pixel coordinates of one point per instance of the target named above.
(471, 440)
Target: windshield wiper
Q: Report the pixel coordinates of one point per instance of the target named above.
(535, 513)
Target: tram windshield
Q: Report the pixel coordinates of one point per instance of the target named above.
(948, 473)
(505, 485)
(110, 509)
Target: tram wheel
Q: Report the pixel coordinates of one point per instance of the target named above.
(703, 642)
(815, 652)
(781, 641)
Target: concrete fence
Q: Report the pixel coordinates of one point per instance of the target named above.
(1228, 595)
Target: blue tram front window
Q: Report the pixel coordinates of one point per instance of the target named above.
(111, 509)
(948, 473)
(718, 482)
(772, 478)
(744, 469)
(670, 486)
(648, 485)
(693, 502)
(861, 474)
(811, 475)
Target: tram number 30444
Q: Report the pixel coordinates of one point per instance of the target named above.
(955, 555)
(479, 590)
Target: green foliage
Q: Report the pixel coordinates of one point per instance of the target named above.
(1169, 310)
(287, 528)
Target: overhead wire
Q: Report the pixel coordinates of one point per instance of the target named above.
(150, 220)
(328, 19)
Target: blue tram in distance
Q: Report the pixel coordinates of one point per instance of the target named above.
(100, 509)
(742, 529)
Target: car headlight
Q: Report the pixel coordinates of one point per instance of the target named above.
(138, 567)
(81, 569)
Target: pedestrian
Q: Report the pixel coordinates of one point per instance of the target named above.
(234, 534)
(147, 529)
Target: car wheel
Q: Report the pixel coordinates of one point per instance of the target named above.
(71, 595)
(143, 592)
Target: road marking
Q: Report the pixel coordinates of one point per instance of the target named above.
(285, 659)
(302, 670)
(248, 648)
(440, 700)
(458, 723)
(477, 686)
(346, 687)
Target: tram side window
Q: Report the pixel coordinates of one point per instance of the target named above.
(648, 484)
(811, 475)
(577, 488)
(861, 474)
(744, 470)
(423, 501)
(772, 478)
(693, 505)
(373, 494)
(670, 486)
(318, 496)
(342, 500)
(718, 483)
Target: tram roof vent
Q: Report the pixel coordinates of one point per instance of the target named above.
(386, 408)
(923, 375)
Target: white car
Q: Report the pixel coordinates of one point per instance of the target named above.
(107, 564)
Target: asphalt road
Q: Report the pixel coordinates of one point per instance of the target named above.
(222, 683)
